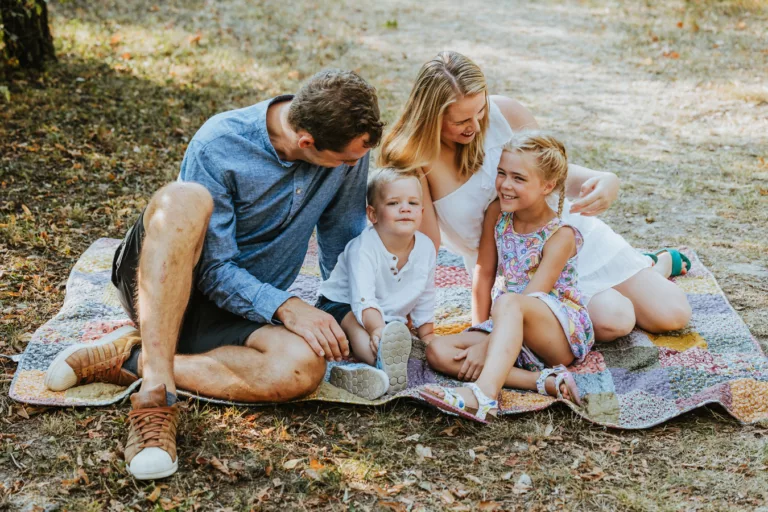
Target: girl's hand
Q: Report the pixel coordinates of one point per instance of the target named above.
(474, 361)
(375, 338)
(596, 195)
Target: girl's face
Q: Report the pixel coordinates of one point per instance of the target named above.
(398, 209)
(518, 182)
(461, 121)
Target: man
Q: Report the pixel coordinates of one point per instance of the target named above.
(208, 262)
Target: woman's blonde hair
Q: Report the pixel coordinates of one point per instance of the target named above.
(414, 140)
(551, 158)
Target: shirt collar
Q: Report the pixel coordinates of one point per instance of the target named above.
(265, 132)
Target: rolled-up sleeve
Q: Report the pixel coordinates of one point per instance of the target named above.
(424, 311)
(344, 218)
(362, 267)
(228, 285)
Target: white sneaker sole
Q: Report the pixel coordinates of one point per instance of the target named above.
(157, 475)
(62, 356)
(394, 351)
(366, 382)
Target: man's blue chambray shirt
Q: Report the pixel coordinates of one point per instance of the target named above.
(265, 211)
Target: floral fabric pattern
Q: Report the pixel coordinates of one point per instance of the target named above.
(519, 256)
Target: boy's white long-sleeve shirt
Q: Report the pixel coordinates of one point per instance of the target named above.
(366, 276)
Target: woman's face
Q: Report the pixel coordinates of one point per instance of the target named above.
(461, 121)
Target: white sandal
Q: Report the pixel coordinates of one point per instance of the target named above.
(562, 376)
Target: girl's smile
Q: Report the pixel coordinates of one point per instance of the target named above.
(518, 183)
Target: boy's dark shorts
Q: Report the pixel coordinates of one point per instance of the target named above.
(338, 310)
(205, 326)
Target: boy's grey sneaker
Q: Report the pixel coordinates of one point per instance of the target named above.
(360, 379)
(393, 354)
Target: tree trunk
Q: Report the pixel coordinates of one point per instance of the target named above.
(26, 35)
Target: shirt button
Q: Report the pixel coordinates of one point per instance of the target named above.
(362, 299)
(394, 258)
(298, 191)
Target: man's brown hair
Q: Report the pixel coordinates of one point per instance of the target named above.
(335, 107)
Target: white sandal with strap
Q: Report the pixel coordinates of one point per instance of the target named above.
(562, 376)
(453, 403)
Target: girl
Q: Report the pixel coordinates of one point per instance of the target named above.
(539, 322)
(453, 132)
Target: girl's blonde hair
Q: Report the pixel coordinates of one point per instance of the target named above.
(550, 155)
(414, 140)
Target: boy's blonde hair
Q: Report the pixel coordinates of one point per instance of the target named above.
(414, 140)
(550, 155)
(385, 176)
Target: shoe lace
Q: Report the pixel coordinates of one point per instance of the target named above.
(151, 424)
(108, 367)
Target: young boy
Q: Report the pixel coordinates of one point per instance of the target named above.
(383, 275)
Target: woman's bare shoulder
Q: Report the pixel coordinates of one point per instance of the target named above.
(518, 117)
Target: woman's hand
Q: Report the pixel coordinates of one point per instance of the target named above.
(596, 195)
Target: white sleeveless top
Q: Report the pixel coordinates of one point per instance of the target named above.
(605, 260)
(460, 213)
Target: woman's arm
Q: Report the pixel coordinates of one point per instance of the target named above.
(429, 225)
(485, 269)
(595, 190)
(556, 253)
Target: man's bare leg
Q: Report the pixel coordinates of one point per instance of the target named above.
(175, 223)
(275, 365)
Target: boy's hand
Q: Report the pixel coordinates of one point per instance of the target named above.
(375, 339)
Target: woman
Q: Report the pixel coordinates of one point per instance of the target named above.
(453, 133)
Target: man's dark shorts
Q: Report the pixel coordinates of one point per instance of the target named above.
(205, 326)
(336, 309)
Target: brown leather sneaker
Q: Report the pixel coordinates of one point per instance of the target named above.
(102, 361)
(151, 449)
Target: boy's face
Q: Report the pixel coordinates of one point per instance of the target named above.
(398, 208)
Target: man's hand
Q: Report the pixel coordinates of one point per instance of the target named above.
(318, 328)
(474, 361)
(596, 195)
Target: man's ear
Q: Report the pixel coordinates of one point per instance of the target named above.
(371, 213)
(305, 140)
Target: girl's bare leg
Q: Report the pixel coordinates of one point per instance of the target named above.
(515, 317)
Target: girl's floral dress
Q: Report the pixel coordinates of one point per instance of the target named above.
(519, 256)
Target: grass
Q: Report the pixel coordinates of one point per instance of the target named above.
(86, 143)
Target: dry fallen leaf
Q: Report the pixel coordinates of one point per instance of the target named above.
(221, 466)
(155, 494)
(450, 431)
(473, 478)
(424, 452)
(393, 505)
(488, 505)
(291, 464)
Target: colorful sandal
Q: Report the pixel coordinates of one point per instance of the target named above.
(562, 376)
(453, 403)
(678, 259)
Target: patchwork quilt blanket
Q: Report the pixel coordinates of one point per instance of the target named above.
(638, 381)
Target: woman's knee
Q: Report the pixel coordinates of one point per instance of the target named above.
(672, 317)
(612, 319)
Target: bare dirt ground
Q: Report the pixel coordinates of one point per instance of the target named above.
(672, 96)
